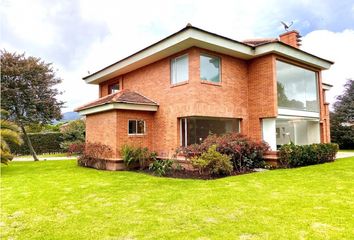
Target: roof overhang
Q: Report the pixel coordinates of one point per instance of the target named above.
(195, 37)
(119, 106)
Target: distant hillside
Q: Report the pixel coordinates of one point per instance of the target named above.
(68, 116)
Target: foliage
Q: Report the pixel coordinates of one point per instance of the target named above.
(73, 133)
(342, 118)
(75, 148)
(161, 167)
(292, 155)
(136, 156)
(215, 163)
(94, 156)
(38, 127)
(9, 133)
(42, 143)
(245, 153)
(27, 91)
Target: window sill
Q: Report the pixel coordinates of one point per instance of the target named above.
(210, 83)
(179, 84)
(136, 135)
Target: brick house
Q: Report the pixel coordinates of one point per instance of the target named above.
(193, 83)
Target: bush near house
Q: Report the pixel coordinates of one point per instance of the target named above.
(245, 153)
(134, 157)
(42, 143)
(94, 156)
(215, 163)
(292, 155)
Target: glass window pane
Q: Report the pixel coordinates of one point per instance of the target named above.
(179, 69)
(141, 127)
(132, 126)
(209, 68)
(297, 88)
(114, 88)
(200, 128)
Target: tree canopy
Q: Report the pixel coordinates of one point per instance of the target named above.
(342, 118)
(28, 91)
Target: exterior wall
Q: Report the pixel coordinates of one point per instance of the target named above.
(191, 98)
(262, 98)
(102, 128)
(136, 140)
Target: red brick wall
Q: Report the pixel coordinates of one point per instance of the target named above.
(262, 98)
(102, 128)
(123, 116)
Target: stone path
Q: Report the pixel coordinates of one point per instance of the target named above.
(344, 154)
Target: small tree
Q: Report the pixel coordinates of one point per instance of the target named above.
(342, 118)
(27, 91)
(73, 133)
(9, 133)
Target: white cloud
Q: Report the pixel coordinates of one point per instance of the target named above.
(335, 46)
(133, 25)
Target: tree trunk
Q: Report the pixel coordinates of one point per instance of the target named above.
(29, 143)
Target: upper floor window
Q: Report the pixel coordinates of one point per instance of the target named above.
(179, 69)
(136, 127)
(113, 88)
(209, 68)
(297, 87)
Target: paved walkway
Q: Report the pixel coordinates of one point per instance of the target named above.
(43, 159)
(344, 154)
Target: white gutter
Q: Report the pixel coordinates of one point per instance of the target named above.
(118, 106)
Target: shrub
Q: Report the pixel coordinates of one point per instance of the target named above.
(161, 167)
(136, 156)
(94, 156)
(42, 143)
(292, 155)
(245, 153)
(215, 163)
(76, 148)
(73, 133)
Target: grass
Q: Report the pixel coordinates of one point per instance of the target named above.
(59, 200)
(45, 155)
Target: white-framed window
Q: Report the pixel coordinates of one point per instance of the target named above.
(210, 68)
(179, 69)
(136, 127)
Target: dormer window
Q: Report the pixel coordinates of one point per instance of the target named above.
(113, 88)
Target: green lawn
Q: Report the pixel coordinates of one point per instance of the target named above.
(58, 200)
(45, 155)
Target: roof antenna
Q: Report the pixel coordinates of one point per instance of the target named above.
(287, 26)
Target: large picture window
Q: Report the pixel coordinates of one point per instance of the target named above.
(196, 129)
(209, 68)
(179, 69)
(297, 88)
(136, 127)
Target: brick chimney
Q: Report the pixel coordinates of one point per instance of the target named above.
(291, 38)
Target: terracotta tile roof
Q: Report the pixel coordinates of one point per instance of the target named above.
(123, 96)
(259, 41)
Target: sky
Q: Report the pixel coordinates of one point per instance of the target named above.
(82, 36)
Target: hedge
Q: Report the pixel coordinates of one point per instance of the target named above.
(292, 155)
(42, 143)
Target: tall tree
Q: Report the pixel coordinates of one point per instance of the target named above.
(9, 133)
(342, 118)
(27, 91)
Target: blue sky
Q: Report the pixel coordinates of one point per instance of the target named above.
(81, 36)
